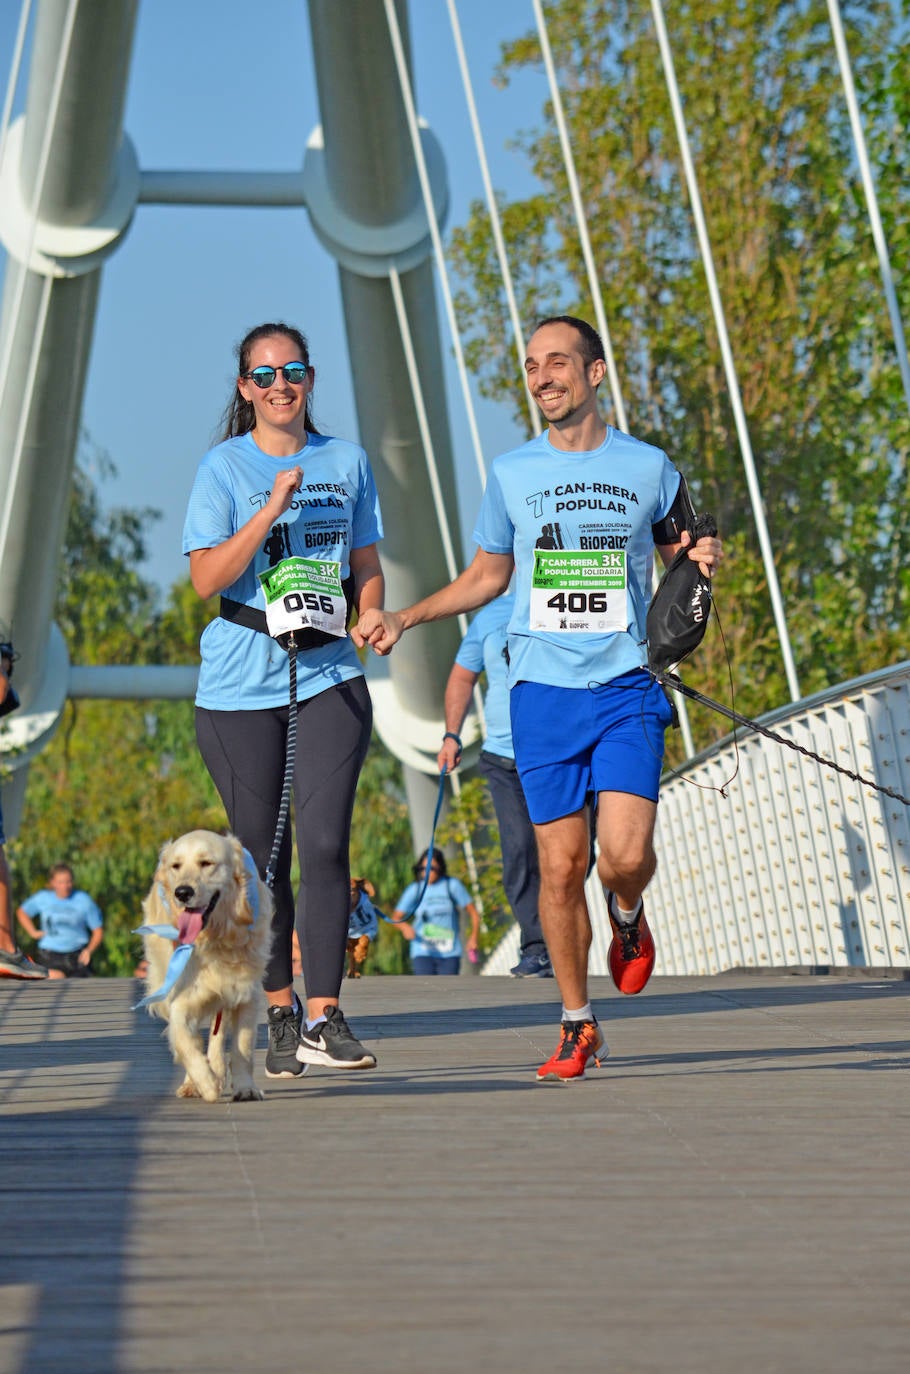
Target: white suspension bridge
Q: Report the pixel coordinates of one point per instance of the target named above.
(793, 867)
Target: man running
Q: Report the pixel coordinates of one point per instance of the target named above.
(577, 513)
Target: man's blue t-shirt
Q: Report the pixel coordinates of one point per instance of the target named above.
(577, 516)
(436, 920)
(336, 511)
(485, 648)
(66, 922)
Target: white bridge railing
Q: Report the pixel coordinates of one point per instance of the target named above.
(796, 865)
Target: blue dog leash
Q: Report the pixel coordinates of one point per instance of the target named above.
(439, 799)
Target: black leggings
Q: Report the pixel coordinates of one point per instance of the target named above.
(244, 752)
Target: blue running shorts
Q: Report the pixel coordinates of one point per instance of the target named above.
(570, 741)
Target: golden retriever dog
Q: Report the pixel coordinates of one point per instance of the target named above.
(207, 893)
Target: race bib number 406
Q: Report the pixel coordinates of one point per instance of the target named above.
(304, 593)
(574, 592)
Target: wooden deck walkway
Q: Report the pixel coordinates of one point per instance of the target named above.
(729, 1193)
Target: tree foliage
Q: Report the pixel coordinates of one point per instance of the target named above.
(798, 277)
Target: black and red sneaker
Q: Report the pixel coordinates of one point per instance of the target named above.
(631, 955)
(579, 1043)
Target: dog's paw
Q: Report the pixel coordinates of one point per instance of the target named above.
(187, 1089)
(249, 1095)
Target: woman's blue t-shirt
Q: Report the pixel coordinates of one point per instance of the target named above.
(337, 510)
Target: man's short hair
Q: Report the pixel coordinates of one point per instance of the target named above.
(592, 349)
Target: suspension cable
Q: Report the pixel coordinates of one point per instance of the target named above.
(493, 210)
(580, 217)
(426, 189)
(720, 323)
(15, 68)
(875, 219)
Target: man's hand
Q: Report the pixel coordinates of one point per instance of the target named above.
(449, 756)
(381, 630)
(707, 553)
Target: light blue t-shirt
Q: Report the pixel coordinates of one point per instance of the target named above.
(436, 920)
(485, 648)
(337, 510)
(605, 500)
(364, 919)
(66, 922)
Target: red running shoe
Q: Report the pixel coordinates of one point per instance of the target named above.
(631, 954)
(579, 1041)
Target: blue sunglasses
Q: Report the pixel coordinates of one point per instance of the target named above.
(264, 377)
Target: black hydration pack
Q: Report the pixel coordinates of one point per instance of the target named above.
(678, 615)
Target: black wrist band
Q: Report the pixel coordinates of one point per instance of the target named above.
(450, 734)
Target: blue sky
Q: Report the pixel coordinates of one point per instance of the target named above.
(223, 84)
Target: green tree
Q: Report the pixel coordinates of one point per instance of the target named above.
(798, 277)
(119, 777)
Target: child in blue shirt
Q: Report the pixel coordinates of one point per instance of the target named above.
(433, 924)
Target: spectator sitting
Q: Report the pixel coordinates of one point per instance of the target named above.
(71, 926)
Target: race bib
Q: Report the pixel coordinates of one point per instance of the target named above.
(440, 937)
(575, 592)
(303, 594)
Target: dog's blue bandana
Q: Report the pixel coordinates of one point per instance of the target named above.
(178, 960)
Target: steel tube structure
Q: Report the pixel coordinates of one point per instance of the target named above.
(371, 186)
(64, 170)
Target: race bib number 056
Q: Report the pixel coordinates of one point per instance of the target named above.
(304, 593)
(579, 593)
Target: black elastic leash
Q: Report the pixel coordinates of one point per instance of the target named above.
(290, 753)
(672, 681)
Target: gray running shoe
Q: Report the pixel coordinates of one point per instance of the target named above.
(533, 966)
(18, 965)
(284, 1037)
(333, 1044)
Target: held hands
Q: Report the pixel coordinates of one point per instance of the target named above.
(381, 630)
(707, 553)
(284, 488)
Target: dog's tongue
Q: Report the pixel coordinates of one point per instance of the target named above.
(189, 926)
